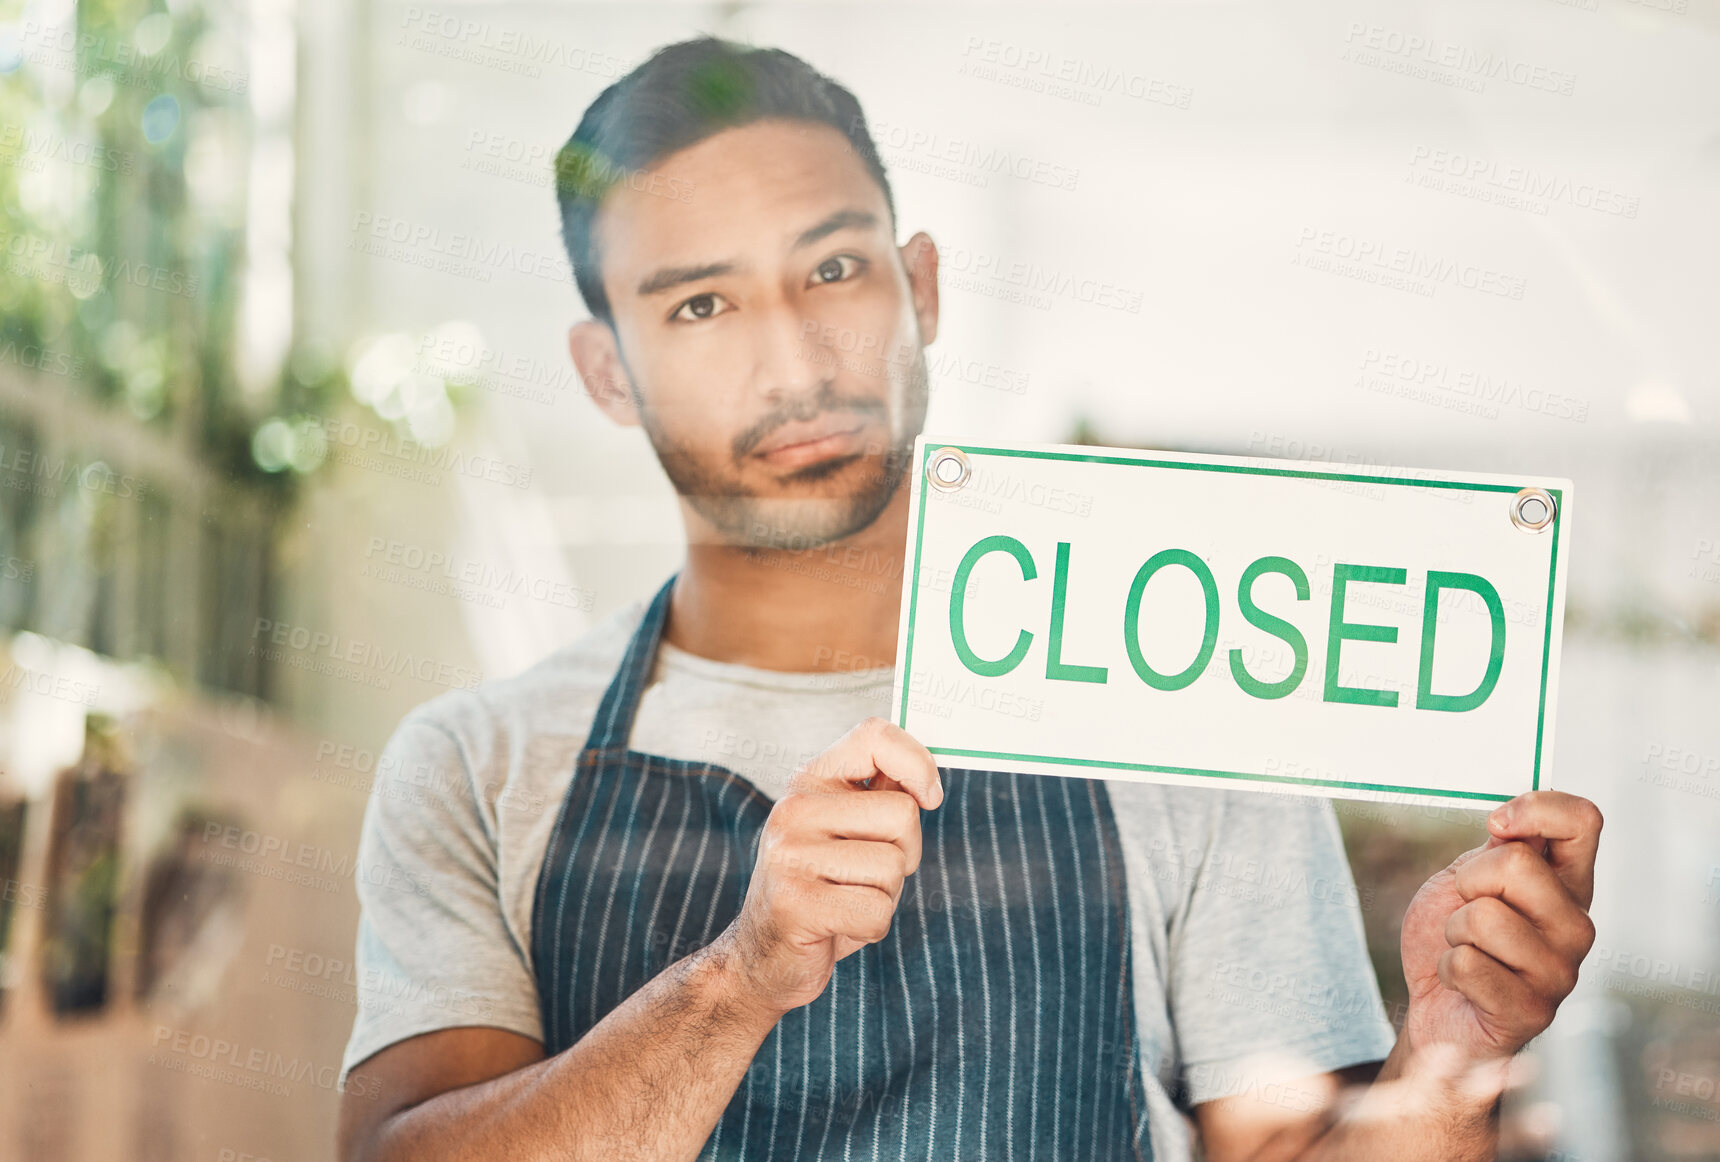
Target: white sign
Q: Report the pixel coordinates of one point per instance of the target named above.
(1220, 621)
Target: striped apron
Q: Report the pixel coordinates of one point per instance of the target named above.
(993, 1022)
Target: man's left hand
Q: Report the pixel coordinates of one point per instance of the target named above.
(1491, 945)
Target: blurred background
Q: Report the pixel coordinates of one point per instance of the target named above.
(289, 443)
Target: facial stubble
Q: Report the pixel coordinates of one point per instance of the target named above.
(744, 519)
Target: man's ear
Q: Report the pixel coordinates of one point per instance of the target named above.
(920, 257)
(604, 376)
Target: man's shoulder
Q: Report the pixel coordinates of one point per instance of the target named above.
(558, 694)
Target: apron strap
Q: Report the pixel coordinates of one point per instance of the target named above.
(613, 726)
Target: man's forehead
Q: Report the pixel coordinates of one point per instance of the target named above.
(755, 186)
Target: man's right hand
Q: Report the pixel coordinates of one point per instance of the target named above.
(831, 863)
(652, 1077)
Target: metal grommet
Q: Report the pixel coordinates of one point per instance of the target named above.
(948, 469)
(1533, 510)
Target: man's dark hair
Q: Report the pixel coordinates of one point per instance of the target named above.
(683, 94)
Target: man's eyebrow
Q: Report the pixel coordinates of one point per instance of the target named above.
(841, 220)
(669, 277)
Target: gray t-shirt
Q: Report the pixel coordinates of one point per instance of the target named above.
(1249, 963)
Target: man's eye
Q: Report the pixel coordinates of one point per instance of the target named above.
(835, 269)
(700, 307)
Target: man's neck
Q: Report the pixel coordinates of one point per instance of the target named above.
(829, 608)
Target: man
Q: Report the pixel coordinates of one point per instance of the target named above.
(690, 896)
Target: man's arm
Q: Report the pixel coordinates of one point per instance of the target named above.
(650, 1080)
(653, 1077)
(1491, 946)
(1410, 1109)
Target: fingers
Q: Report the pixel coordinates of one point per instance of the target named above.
(1502, 999)
(888, 817)
(831, 863)
(1513, 874)
(1494, 927)
(823, 910)
(854, 863)
(874, 747)
(860, 914)
(1570, 827)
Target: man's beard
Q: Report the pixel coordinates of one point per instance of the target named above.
(745, 519)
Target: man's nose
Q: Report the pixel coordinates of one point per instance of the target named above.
(790, 360)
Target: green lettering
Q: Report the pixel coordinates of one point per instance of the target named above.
(1425, 698)
(1132, 619)
(958, 600)
(1276, 626)
(1055, 668)
(1342, 630)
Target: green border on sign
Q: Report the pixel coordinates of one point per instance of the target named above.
(914, 603)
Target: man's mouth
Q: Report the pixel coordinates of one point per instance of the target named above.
(802, 442)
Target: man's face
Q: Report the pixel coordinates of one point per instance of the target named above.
(769, 332)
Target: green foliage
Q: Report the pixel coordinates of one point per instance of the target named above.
(125, 146)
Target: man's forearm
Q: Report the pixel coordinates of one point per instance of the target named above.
(1413, 1116)
(650, 1080)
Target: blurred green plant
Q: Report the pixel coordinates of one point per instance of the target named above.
(126, 136)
